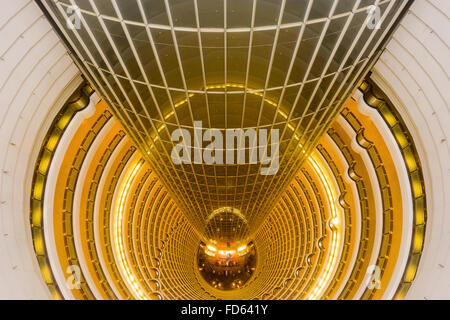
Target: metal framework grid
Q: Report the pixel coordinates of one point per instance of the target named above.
(283, 64)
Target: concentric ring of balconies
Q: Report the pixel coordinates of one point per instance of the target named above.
(303, 252)
(288, 65)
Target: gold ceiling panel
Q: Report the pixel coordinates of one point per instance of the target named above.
(163, 65)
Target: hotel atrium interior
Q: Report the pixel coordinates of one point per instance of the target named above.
(352, 97)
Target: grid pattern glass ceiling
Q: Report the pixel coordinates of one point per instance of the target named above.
(274, 64)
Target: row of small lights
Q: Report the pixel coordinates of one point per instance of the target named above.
(334, 223)
(211, 251)
(222, 86)
(118, 237)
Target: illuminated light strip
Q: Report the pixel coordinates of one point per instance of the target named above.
(234, 85)
(241, 248)
(232, 210)
(335, 238)
(393, 119)
(225, 252)
(223, 86)
(171, 113)
(47, 152)
(179, 104)
(230, 85)
(117, 234)
(210, 253)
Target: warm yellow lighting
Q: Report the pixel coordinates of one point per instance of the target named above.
(331, 262)
(46, 273)
(36, 213)
(45, 162)
(226, 252)
(335, 221)
(235, 85)
(39, 245)
(53, 141)
(183, 101)
(229, 85)
(241, 248)
(64, 121)
(211, 248)
(118, 237)
(38, 188)
(232, 210)
(210, 253)
(171, 113)
(283, 114)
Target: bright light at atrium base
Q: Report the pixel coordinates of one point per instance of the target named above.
(211, 251)
(226, 270)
